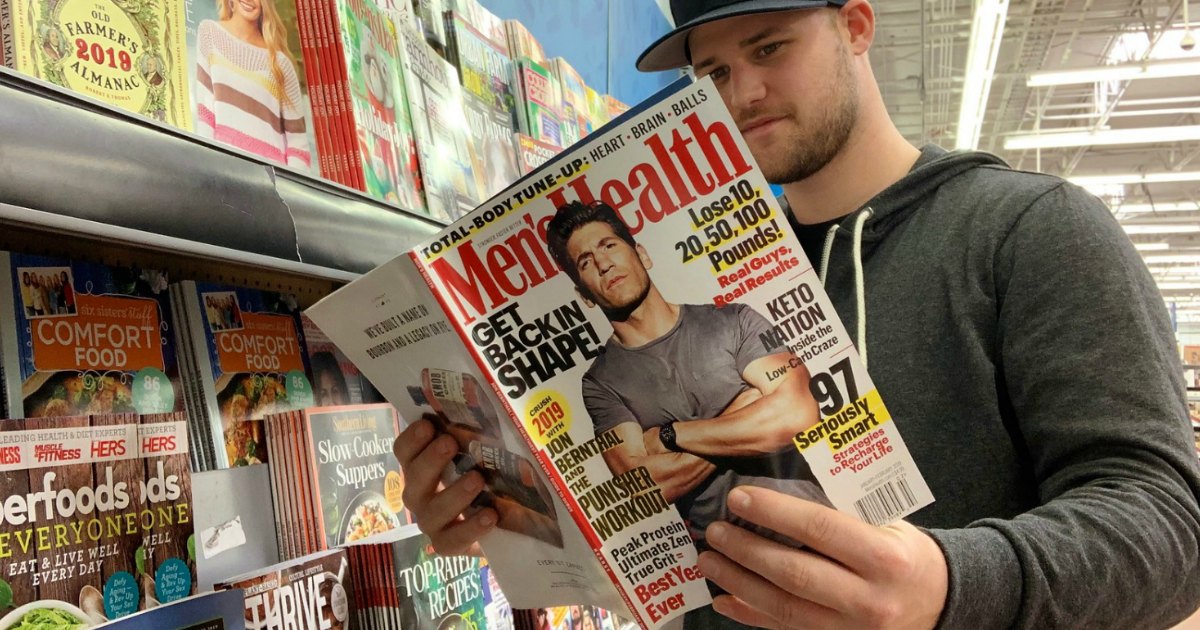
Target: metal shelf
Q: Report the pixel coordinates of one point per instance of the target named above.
(69, 163)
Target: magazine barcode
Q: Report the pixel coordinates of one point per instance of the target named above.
(885, 503)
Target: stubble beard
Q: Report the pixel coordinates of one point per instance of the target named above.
(816, 141)
(622, 312)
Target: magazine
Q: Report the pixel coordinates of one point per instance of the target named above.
(214, 610)
(116, 539)
(354, 478)
(129, 55)
(245, 359)
(251, 97)
(534, 153)
(647, 380)
(445, 148)
(488, 103)
(335, 379)
(382, 139)
(539, 98)
(314, 591)
(85, 338)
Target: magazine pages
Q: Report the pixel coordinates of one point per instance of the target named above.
(409, 328)
(652, 330)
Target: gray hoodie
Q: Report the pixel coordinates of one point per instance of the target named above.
(1026, 354)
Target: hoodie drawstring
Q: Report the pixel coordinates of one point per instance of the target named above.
(860, 292)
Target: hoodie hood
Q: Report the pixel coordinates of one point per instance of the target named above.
(935, 167)
(873, 221)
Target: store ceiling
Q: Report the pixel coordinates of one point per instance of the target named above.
(920, 60)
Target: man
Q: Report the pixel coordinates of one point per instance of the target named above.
(1014, 332)
(686, 387)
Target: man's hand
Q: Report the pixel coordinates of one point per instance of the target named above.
(423, 455)
(851, 575)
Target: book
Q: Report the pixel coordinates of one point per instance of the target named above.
(582, 320)
(81, 338)
(539, 100)
(247, 359)
(489, 102)
(353, 477)
(314, 591)
(128, 55)
(121, 484)
(444, 144)
(214, 610)
(411, 586)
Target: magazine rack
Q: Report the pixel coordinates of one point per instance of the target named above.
(72, 165)
(83, 180)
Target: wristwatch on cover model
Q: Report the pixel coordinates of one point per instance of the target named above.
(666, 435)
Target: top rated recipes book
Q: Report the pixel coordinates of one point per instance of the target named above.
(608, 340)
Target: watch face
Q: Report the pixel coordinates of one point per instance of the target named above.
(666, 435)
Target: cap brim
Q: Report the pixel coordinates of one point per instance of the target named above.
(669, 51)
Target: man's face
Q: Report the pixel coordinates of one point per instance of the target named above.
(612, 273)
(788, 80)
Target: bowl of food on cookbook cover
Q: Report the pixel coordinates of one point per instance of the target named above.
(45, 613)
(367, 515)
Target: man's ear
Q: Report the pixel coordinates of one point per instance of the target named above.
(583, 296)
(857, 19)
(644, 256)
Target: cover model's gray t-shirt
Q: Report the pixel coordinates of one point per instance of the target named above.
(694, 372)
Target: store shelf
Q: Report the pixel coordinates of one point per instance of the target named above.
(71, 164)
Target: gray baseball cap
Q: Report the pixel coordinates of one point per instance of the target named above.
(670, 51)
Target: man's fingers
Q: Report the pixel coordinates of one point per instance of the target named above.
(799, 572)
(444, 507)
(775, 608)
(742, 612)
(422, 472)
(462, 537)
(412, 441)
(827, 531)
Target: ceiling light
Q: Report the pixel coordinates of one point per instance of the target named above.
(1162, 228)
(1175, 271)
(1120, 72)
(987, 30)
(1137, 178)
(1051, 139)
(1166, 259)
(1151, 247)
(1142, 208)
(1178, 286)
